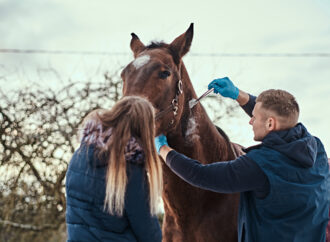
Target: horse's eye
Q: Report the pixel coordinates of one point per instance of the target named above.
(164, 74)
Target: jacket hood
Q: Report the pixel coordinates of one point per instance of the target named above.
(296, 143)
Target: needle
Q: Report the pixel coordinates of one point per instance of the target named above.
(194, 101)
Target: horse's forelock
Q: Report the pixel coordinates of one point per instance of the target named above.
(154, 45)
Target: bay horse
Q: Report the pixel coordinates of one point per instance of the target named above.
(159, 74)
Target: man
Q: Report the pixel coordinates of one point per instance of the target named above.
(284, 181)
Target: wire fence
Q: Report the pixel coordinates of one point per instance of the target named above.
(72, 52)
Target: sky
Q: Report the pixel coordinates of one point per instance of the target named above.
(220, 27)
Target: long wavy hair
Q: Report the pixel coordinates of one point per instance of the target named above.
(111, 131)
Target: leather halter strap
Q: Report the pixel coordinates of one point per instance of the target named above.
(173, 106)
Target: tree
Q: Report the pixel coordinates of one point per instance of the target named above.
(38, 135)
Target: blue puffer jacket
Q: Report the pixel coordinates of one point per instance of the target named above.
(297, 206)
(85, 189)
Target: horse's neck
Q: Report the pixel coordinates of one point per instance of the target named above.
(196, 135)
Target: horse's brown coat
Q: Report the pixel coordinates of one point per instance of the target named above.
(191, 214)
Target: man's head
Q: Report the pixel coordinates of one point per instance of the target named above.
(274, 110)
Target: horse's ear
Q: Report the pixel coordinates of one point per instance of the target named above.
(181, 45)
(136, 45)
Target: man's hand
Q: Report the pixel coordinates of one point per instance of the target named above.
(225, 87)
(160, 141)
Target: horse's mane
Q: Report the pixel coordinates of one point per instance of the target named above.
(223, 134)
(154, 45)
(229, 144)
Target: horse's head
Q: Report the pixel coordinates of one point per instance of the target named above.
(156, 73)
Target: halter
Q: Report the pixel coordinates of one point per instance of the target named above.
(174, 106)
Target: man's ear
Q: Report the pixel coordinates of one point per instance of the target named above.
(271, 124)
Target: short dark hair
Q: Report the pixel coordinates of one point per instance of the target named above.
(282, 103)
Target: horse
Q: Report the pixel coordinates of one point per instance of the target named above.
(158, 74)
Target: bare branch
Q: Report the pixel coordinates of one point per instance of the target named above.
(38, 135)
(28, 226)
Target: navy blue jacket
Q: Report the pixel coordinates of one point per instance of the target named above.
(85, 190)
(297, 206)
(253, 175)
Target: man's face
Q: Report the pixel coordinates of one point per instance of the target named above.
(259, 122)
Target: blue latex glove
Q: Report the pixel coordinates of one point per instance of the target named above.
(225, 87)
(160, 141)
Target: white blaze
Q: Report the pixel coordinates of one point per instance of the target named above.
(141, 61)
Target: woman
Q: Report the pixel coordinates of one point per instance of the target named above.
(114, 179)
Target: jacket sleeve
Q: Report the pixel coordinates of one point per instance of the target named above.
(239, 175)
(145, 227)
(248, 107)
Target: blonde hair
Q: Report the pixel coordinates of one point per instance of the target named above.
(131, 116)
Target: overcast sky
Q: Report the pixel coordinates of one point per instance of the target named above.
(277, 27)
